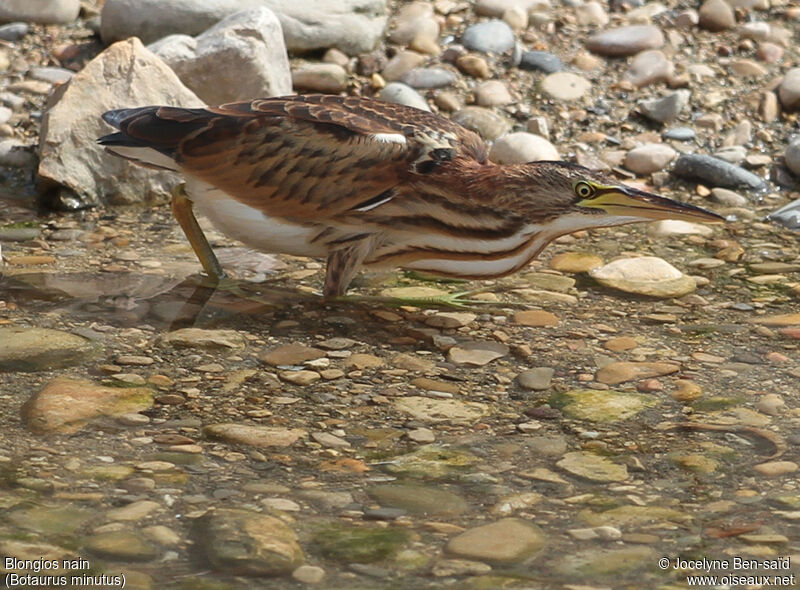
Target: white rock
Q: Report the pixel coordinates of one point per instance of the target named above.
(792, 156)
(400, 93)
(565, 86)
(411, 20)
(354, 26)
(496, 8)
(241, 57)
(521, 147)
(649, 158)
(676, 227)
(39, 11)
(646, 275)
(309, 574)
(124, 75)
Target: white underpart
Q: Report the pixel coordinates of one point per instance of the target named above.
(250, 226)
(564, 225)
(145, 156)
(389, 137)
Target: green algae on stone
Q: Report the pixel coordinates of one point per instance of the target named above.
(694, 462)
(49, 520)
(720, 402)
(121, 546)
(353, 544)
(244, 542)
(418, 499)
(106, 472)
(65, 405)
(600, 405)
(592, 564)
(432, 462)
(41, 349)
(633, 515)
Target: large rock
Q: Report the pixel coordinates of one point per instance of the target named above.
(124, 75)
(646, 275)
(354, 26)
(39, 11)
(241, 57)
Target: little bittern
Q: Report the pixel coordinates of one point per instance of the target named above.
(367, 183)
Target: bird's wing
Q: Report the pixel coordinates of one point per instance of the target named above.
(303, 157)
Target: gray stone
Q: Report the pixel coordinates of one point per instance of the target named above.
(429, 78)
(241, 57)
(592, 467)
(679, 133)
(788, 215)
(492, 36)
(353, 26)
(52, 75)
(667, 108)
(320, 77)
(432, 410)
(482, 121)
(242, 542)
(477, 353)
(13, 31)
(497, 8)
(522, 147)
(125, 74)
(536, 379)
(16, 154)
(789, 90)
(39, 349)
(649, 67)
(728, 198)
(541, 60)
(792, 156)
(40, 11)
(716, 172)
(623, 41)
(400, 93)
(418, 499)
(203, 339)
(649, 158)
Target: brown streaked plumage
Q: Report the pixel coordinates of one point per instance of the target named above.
(361, 182)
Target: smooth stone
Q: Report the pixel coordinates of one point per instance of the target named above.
(728, 198)
(427, 78)
(16, 154)
(418, 499)
(125, 73)
(46, 12)
(477, 354)
(592, 467)
(433, 462)
(716, 172)
(604, 564)
(492, 93)
(792, 157)
(203, 339)
(134, 511)
(400, 93)
(51, 75)
(412, 20)
(240, 57)
(121, 546)
(352, 26)
(649, 67)
(747, 68)
(716, 15)
(756, 30)
(402, 63)
(620, 344)
(646, 275)
(575, 262)
(776, 468)
(536, 379)
(633, 516)
(543, 61)
(309, 574)
(290, 354)
(434, 410)
(565, 86)
(40, 349)
(451, 319)
(482, 121)
(255, 436)
(522, 147)
(17, 234)
(320, 77)
(788, 215)
(679, 133)
(358, 545)
(505, 542)
(676, 227)
(789, 90)
(66, 404)
(591, 14)
(649, 158)
(496, 8)
(732, 154)
(243, 542)
(601, 405)
(769, 52)
(667, 108)
(14, 31)
(624, 41)
(447, 568)
(494, 36)
(474, 65)
(535, 318)
(622, 371)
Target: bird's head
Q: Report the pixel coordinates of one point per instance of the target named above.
(594, 200)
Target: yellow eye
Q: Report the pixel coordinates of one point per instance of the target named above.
(583, 189)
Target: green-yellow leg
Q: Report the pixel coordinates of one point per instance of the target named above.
(182, 210)
(457, 300)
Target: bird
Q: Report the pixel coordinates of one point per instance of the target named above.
(365, 183)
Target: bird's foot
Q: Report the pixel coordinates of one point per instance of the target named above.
(457, 300)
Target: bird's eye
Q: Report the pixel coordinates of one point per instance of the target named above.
(583, 189)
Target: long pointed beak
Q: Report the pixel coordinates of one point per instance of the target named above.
(632, 202)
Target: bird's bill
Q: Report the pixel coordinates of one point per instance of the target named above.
(631, 202)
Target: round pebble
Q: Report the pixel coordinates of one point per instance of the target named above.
(522, 147)
(623, 41)
(543, 61)
(717, 15)
(789, 90)
(492, 93)
(400, 93)
(667, 108)
(565, 86)
(649, 158)
(494, 36)
(429, 78)
(792, 156)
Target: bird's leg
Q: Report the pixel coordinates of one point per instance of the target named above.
(182, 210)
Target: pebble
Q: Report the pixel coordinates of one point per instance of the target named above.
(256, 436)
(413, 20)
(536, 379)
(494, 36)
(203, 339)
(290, 354)
(535, 318)
(769, 52)
(716, 15)
(309, 574)
(522, 147)
(792, 156)
(320, 77)
(15, 154)
(565, 86)
(645, 275)
(426, 78)
(492, 93)
(48, 12)
(505, 542)
(575, 262)
(667, 108)
(716, 172)
(649, 158)
(679, 133)
(624, 41)
(592, 467)
(474, 65)
(419, 500)
(591, 14)
(486, 123)
(402, 63)
(620, 372)
(620, 344)
(39, 349)
(602, 406)
(14, 31)
(789, 90)
(421, 436)
(776, 468)
(676, 227)
(649, 67)
(543, 61)
(400, 93)
(728, 198)
(477, 353)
